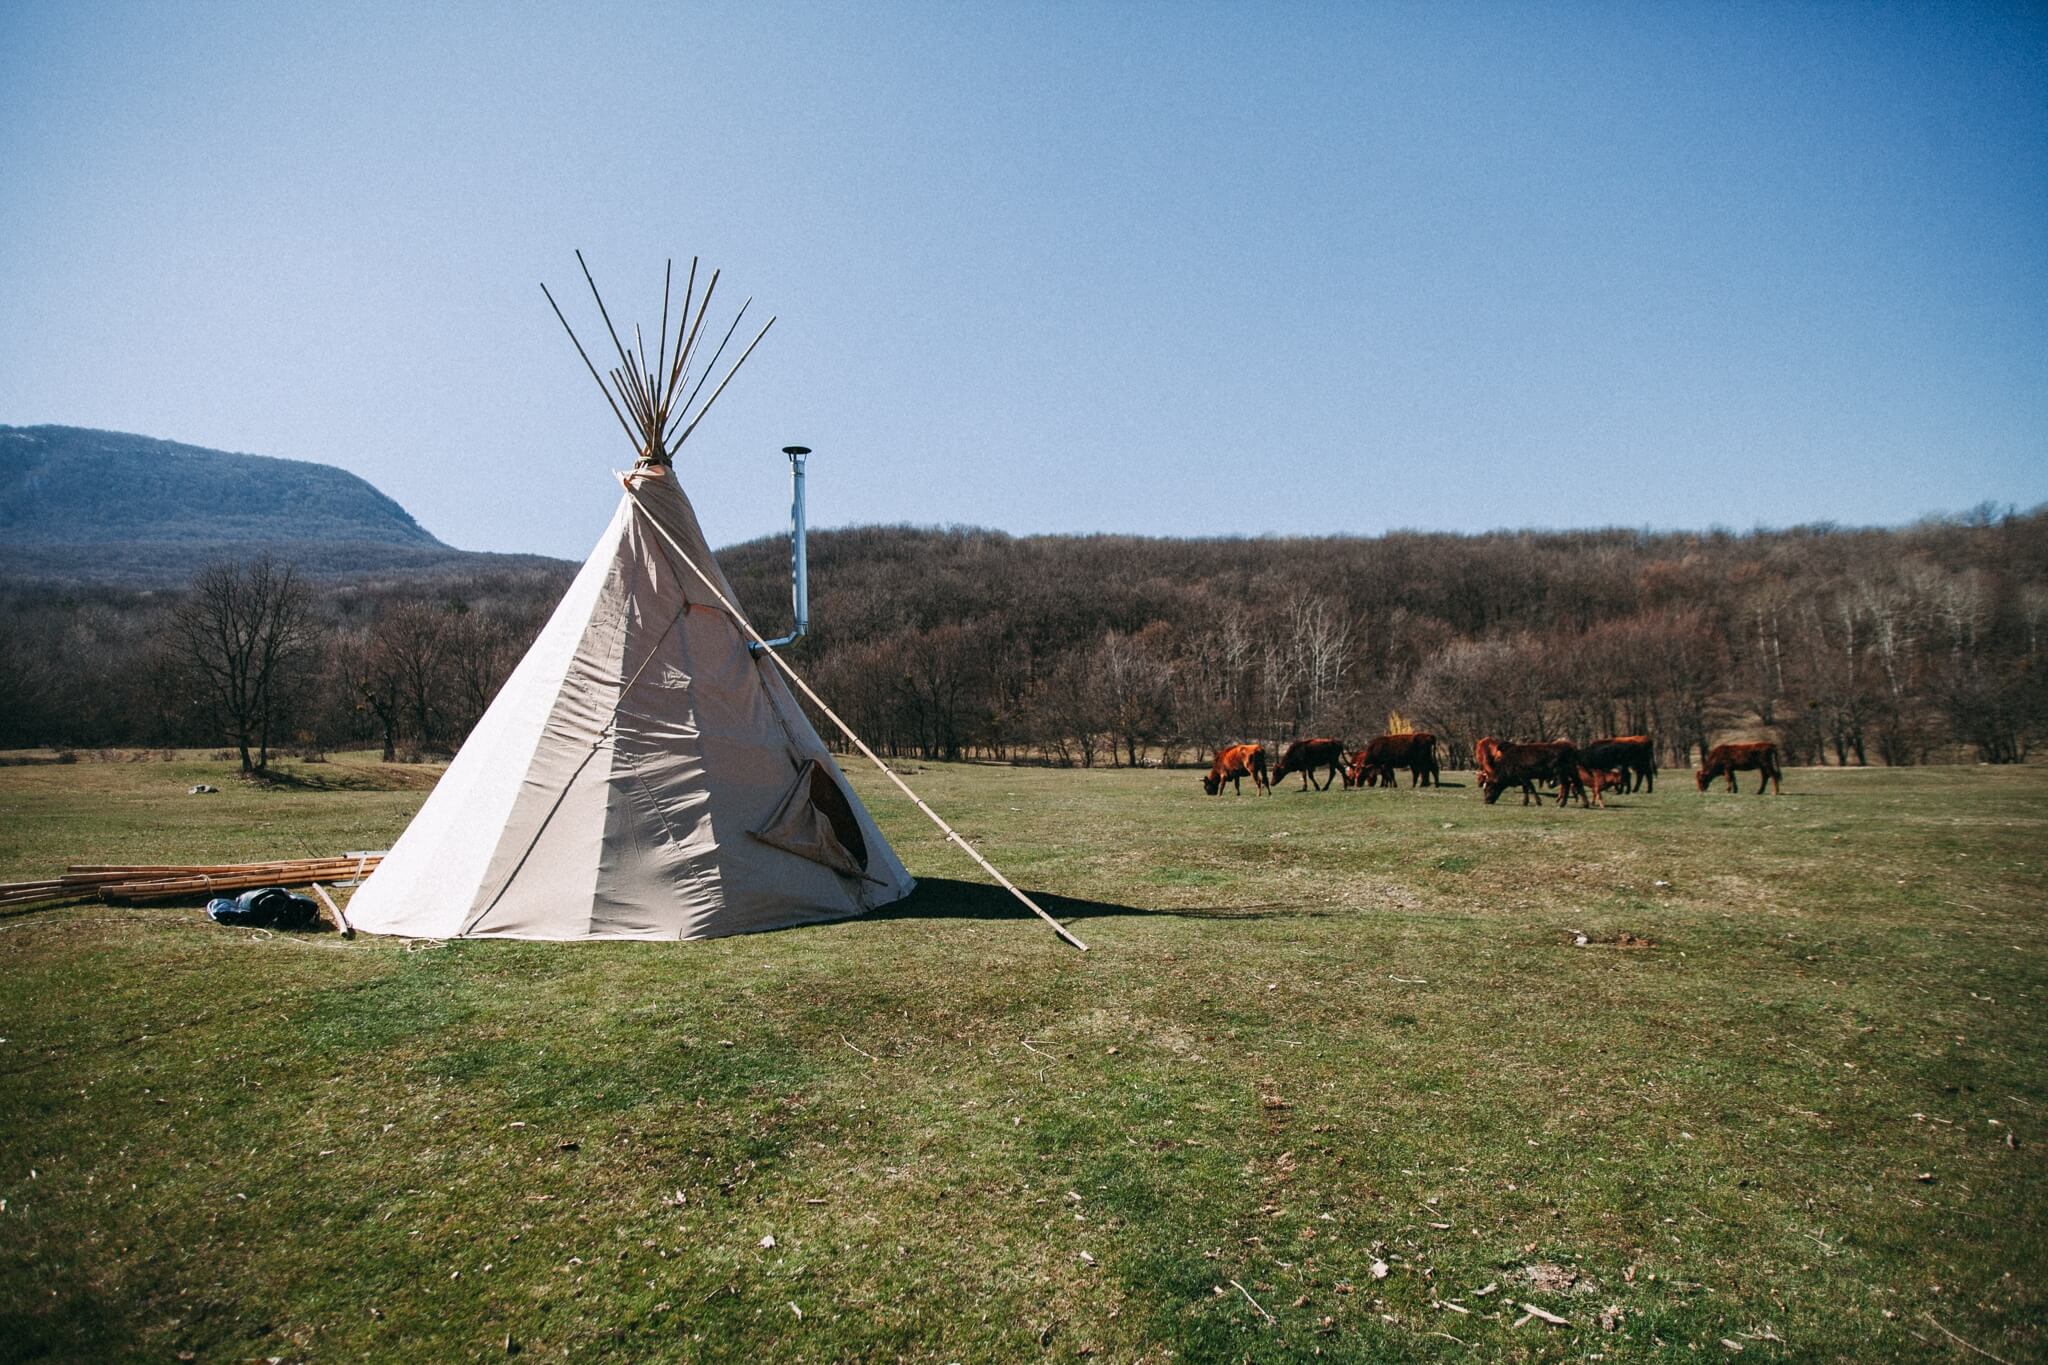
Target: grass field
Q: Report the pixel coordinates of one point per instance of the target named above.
(1337, 1080)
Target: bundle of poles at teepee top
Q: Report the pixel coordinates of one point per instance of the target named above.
(649, 401)
(661, 419)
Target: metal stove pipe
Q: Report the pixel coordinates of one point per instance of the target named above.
(799, 557)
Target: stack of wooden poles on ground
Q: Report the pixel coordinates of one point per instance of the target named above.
(156, 882)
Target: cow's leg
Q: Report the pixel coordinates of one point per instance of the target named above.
(1731, 781)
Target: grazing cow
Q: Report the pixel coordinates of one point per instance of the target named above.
(1484, 751)
(1233, 765)
(1636, 757)
(1524, 765)
(1357, 774)
(1374, 765)
(1730, 759)
(1310, 756)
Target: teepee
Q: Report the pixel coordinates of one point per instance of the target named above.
(645, 772)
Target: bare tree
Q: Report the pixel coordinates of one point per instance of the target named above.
(481, 652)
(1482, 687)
(241, 632)
(408, 662)
(1135, 675)
(1690, 663)
(1069, 714)
(940, 688)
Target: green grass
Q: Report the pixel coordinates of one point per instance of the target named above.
(1317, 1033)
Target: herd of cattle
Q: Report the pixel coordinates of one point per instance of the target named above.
(1623, 763)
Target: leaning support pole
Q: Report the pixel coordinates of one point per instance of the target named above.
(845, 729)
(340, 920)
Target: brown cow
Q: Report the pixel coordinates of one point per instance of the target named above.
(1309, 756)
(1730, 759)
(1374, 765)
(1484, 751)
(1598, 780)
(1233, 765)
(1524, 765)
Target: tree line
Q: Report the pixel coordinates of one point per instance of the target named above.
(1848, 646)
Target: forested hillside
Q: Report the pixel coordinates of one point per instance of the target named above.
(1897, 646)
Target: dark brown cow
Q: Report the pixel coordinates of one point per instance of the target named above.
(1234, 765)
(1730, 759)
(1610, 762)
(1637, 759)
(1375, 764)
(1310, 756)
(1524, 765)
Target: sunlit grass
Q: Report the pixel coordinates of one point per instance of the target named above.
(1318, 1035)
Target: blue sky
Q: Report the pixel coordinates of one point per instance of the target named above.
(1164, 269)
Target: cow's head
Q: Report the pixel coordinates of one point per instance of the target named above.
(1699, 778)
(1211, 783)
(1493, 790)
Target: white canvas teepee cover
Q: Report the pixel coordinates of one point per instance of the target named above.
(640, 775)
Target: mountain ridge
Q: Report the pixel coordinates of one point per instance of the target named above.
(78, 504)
